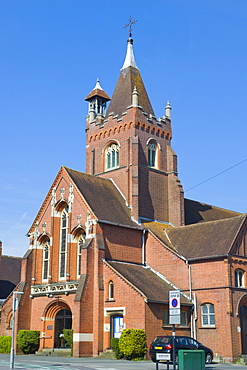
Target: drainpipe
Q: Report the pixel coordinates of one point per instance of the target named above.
(195, 316)
(143, 247)
(190, 290)
(190, 281)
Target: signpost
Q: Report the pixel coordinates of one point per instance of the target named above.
(174, 318)
(14, 309)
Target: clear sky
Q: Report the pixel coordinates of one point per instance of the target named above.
(191, 52)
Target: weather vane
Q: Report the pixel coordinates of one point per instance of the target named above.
(129, 25)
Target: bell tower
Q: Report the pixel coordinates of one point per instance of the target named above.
(128, 144)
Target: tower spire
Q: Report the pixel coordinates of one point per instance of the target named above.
(129, 59)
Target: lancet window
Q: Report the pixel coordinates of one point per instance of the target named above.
(112, 156)
(152, 154)
(46, 258)
(63, 243)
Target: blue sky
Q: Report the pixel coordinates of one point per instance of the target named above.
(191, 52)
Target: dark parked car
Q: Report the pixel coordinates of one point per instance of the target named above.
(163, 344)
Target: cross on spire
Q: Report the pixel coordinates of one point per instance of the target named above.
(129, 25)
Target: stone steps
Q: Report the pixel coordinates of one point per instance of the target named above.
(61, 352)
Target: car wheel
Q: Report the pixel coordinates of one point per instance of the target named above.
(209, 358)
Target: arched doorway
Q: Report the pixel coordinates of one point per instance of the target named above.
(116, 325)
(243, 323)
(63, 320)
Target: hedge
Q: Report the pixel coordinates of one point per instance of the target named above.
(5, 344)
(115, 347)
(28, 341)
(132, 343)
(68, 337)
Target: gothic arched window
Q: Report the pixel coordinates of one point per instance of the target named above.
(63, 243)
(81, 242)
(111, 290)
(152, 153)
(112, 156)
(46, 258)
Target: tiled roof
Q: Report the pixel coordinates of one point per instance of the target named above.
(103, 198)
(10, 269)
(98, 92)
(122, 96)
(148, 283)
(199, 212)
(207, 239)
(159, 229)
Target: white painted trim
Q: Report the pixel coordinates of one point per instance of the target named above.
(112, 310)
(82, 337)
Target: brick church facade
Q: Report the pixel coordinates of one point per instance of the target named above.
(108, 245)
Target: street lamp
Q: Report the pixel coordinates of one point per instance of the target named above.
(14, 308)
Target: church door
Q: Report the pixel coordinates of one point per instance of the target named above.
(116, 325)
(63, 320)
(243, 321)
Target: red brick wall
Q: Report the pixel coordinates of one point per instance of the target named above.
(122, 244)
(132, 132)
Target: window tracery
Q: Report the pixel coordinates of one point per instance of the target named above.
(112, 156)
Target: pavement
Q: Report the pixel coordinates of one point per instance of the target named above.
(68, 363)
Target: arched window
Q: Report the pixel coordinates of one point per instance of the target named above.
(81, 242)
(10, 320)
(111, 290)
(112, 156)
(63, 243)
(239, 278)
(46, 258)
(152, 153)
(208, 316)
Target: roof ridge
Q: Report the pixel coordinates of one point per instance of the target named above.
(198, 224)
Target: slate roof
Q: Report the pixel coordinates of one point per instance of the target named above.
(200, 212)
(208, 239)
(103, 198)
(152, 287)
(10, 269)
(10, 274)
(122, 96)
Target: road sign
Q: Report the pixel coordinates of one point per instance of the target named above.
(174, 306)
(174, 302)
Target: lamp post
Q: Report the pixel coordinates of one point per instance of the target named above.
(14, 308)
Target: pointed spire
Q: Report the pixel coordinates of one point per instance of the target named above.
(97, 91)
(135, 97)
(129, 59)
(129, 78)
(168, 109)
(97, 86)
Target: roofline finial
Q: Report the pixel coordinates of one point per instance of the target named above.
(129, 25)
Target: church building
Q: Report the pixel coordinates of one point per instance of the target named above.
(108, 245)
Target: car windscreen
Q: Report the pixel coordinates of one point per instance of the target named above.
(162, 339)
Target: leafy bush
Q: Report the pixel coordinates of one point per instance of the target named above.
(28, 341)
(132, 343)
(68, 337)
(5, 344)
(115, 347)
